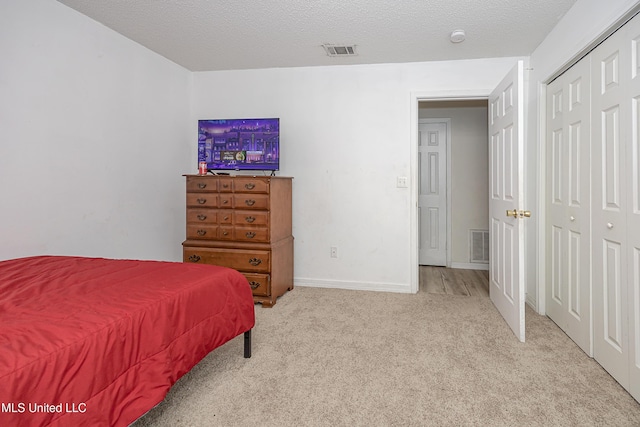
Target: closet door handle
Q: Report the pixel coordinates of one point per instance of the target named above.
(572, 218)
(609, 225)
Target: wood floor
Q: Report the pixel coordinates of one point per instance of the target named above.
(442, 280)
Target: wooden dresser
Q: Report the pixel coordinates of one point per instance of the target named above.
(243, 222)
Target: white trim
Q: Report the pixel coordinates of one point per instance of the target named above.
(415, 98)
(470, 266)
(447, 122)
(540, 304)
(352, 285)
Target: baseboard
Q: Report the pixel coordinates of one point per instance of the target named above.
(470, 266)
(352, 285)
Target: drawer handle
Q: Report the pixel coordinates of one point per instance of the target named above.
(194, 258)
(224, 202)
(226, 218)
(255, 261)
(254, 285)
(250, 234)
(201, 232)
(202, 185)
(225, 233)
(225, 185)
(250, 186)
(250, 202)
(202, 201)
(250, 219)
(202, 217)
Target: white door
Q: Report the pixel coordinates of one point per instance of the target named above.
(432, 197)
(616, 207)
(633, 210)
(568, 192)
(506, 241)
(610, 67)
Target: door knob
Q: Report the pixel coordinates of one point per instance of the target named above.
(609, 225)
(518, 213)
(572, 218)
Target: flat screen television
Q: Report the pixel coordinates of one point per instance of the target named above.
(239, 144)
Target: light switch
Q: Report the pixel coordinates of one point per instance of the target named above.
(403, 182)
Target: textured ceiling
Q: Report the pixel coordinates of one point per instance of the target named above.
(204, 35)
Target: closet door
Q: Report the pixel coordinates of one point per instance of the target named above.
(568, 190)
(612, 101)
(633, 213)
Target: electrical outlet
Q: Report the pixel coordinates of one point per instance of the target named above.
(403, 182)
(334, 252)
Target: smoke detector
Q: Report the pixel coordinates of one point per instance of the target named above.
(340, 50)
(457, 36)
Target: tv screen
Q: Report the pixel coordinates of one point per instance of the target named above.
(239, 144)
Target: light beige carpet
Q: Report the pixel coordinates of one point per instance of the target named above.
(327, 357)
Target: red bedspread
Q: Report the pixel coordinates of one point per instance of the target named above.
(87, 341)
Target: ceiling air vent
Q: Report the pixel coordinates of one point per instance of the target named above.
(340, 50)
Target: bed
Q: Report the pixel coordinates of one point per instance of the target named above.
(99, 342)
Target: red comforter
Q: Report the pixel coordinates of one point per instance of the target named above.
(87, 341)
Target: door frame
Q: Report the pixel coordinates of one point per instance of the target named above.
(447, 122)
(415, 98)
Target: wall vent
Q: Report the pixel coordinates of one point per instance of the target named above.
(340, 50)
(479, 244)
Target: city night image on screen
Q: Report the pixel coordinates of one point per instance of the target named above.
(237, 144)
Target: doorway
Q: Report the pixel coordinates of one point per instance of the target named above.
(463, 203)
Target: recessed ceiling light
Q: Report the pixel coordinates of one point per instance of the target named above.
(457, 36)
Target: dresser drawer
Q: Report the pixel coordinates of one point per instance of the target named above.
(251, 185)
(260, 283)
(225, 185)
(225, 233)
(202, 183)
(225, 201)
(201, 200)
(202, 216)
(202, 231)
(251, 234)
(244, 260)
(251, 218)
(251, 201)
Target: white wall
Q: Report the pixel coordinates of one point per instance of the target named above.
(469, 171)
(581, 25)
(345, 138)
(93, 139)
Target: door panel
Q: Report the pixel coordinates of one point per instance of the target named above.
(506, 278)
(568, 204)
(633, 212)
(610, 72)
(432, 198)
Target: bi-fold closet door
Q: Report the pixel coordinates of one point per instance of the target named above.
(593, 204)
(568, 192)
(615, 162)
